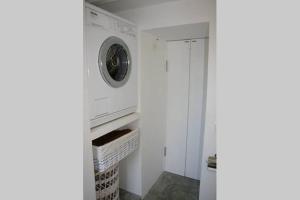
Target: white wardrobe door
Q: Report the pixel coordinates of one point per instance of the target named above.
(177, 105)
(194, 144)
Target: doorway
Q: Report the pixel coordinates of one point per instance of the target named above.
(186, 69)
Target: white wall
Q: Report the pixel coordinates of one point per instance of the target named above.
(89, 192)
(179, 13)
(208, 178)
(141, 169)
(153, 108)
(41, 100)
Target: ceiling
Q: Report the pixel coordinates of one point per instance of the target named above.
(186, 31)
(121, 5)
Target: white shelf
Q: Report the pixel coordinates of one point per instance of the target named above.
(112, 125)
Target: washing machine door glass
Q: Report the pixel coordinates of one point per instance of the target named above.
(114, 62)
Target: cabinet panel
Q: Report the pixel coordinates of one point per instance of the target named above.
(196, 93)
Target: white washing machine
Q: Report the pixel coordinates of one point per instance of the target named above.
(111, 52)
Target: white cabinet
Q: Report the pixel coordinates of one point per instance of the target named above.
(187, 62)
(177, 105)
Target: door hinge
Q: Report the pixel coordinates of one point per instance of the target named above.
(165, 151)
(167, 66)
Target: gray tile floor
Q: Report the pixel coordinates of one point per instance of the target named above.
(169, 187)
(124, 195)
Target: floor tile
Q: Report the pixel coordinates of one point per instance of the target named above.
(124, 195)
(168, 187)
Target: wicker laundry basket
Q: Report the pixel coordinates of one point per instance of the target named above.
(107, 183)
(108, 151)
(111, 148)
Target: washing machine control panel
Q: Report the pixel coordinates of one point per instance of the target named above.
(104, 21)
(97, 19)
(122, 27)
(127, 29)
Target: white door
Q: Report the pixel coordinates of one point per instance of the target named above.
(177, 105)
(187, 62)
(196, 92)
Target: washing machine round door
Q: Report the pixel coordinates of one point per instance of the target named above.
(114, 62)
